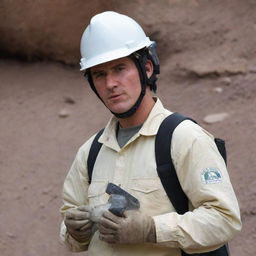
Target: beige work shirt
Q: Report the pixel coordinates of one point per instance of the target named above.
(214, 217)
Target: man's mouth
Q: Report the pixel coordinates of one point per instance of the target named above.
(114, 96)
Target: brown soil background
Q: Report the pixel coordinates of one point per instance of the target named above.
(203, 45)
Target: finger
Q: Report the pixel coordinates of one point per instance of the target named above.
(108, 238)
(88, 225)
(77, 214)
(110, 216)
(105, 231)
(80, 234)
(75, 224)
(108, 224)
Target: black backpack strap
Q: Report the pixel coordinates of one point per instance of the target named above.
(220, 143)
(167, 172)
(93, 153)
(165, 167)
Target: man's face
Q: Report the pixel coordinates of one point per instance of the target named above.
(117, 83)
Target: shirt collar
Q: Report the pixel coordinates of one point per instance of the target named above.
(149, 128)
(156, 116)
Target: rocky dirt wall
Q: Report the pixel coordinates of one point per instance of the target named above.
(49, 29)
(202, 36)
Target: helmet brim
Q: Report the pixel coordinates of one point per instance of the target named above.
(113, 55)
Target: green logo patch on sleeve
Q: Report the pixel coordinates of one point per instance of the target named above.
(211, 176)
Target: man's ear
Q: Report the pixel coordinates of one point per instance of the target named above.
(149, 68)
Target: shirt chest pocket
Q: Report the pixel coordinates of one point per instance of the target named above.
(97, 194)
(152, 196)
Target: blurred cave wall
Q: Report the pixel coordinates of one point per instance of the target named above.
(207, 29)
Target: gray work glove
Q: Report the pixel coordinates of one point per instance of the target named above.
(78, 223)
(133, 228)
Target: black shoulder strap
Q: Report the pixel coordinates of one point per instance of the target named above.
(165, 167)
(220, 143)
(167, 172)
(93, 153)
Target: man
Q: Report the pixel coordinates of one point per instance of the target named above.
(121, 66)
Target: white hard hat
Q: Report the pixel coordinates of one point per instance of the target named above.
(110, 36)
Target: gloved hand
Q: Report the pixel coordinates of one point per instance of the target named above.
(97, 211)
(77, 221)
(134, 227)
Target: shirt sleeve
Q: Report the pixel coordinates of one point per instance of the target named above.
(75, 193)
(214, 217)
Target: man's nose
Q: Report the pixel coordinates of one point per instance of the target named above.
(111, 81)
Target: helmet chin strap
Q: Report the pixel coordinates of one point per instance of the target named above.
(134, 108)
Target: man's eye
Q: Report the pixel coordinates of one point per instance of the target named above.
(99, 75)
(120, 68)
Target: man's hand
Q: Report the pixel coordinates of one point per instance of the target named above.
(78, 223)
(134, 227)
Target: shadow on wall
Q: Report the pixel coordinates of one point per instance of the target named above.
(45, 29)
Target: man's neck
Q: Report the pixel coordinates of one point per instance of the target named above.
(140, 115)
